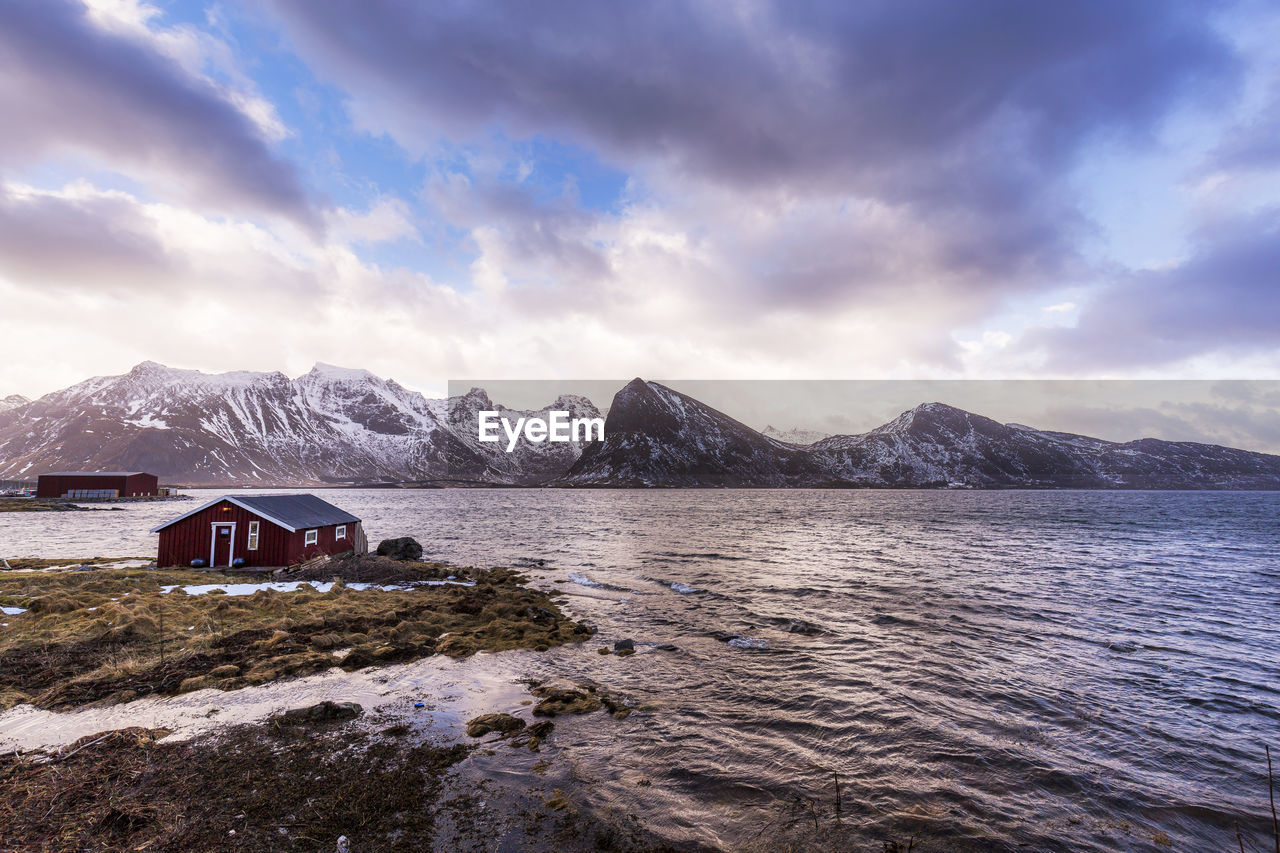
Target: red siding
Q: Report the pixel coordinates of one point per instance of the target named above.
(134, 485)
(191, 539)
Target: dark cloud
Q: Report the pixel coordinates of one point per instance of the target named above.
(1224, 298)
(1252, 145)
(895, 98)
(67, 85)
(98, 243)
(962, 119)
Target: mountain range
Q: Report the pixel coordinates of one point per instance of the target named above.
(341, 426)
(655, 436)
(331, 425)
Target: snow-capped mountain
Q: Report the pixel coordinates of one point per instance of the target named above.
(529, 463)
(655, 436)
(335, 425)
(330, 425)
(13, 401)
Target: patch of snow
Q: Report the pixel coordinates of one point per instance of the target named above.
(148, 421)
(294, 586)
(749, 643)
(12, 611)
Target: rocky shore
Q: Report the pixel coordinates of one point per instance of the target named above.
(80, 640)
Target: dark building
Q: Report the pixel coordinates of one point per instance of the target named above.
(260, 530)
(100, 485)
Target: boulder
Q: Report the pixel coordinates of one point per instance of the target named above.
(504, 724)
(321, 712)
(404, 548)
(624, 644)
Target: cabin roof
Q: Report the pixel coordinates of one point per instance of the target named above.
(91, 473)
(293, 512)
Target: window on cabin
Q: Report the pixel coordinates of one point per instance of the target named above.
(253, 535)
(341, 532)
(313, 536)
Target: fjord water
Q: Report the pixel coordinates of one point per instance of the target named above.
(1006, 670)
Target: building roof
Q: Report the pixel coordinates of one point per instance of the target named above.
(91, 473)
(292, 512)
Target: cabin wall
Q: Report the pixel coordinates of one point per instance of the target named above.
(191, 538)
(327, 543)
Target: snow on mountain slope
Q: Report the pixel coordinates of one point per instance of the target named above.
(795, 435)
(13, 401)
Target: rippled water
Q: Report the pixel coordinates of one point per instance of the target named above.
(1016, 670)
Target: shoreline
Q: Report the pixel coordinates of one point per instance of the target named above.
(410, 737)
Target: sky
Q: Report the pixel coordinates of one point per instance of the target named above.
(734, 189)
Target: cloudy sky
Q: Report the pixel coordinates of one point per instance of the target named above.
(728, 189)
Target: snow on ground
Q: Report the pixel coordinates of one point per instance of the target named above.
(294, 586)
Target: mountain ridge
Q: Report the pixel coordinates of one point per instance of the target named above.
(346, 426)
(933, 445)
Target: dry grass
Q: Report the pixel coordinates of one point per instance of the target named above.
(112, 635)
(39, 563)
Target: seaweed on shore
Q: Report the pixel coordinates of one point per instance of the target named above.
(286, 789)
(289, 788)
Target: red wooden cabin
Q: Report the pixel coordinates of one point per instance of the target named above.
(258, 530)
(89, 485)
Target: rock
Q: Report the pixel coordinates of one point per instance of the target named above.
(616, 706)
(622, 653)
(800, 626)
(560, 700)
(504, 724)
(666, 647)
(532, 737)
(321, 712)
(605, 650)
(538, 614)
(404, 548)
(624, 644)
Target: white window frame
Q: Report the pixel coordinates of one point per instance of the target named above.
(341, 532)
(311, 537)
(213, 544)
(254, 527)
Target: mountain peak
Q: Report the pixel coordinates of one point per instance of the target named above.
(333, 373)
(151, 368)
